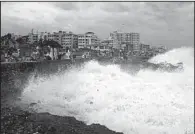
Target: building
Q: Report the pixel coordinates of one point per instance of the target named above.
(66, 39)
(144, 48)
(129, 47)
(88, 40)
(50, 36)
(70, 40)
(106, 45)
(56, 37)
(35, 37)
(135, 41)
(32, 38)
(116, 39)
(107, 42)
(121, 38)
(43, 36)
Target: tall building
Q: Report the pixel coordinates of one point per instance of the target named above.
(57, 37)
(50, 36)
(68, 39)
(120, 38)
(43, 36)
(32, 37)
(135, 41)
(36, 36)
(88, 40)
(116, 40)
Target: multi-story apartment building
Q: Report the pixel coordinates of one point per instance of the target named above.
(32, 37)
(50, 36)
(107, 42)
(116, 39)
(120, 38)
(43, 36)
(68, 39)
(135, 41)
(56, 37)
(105, 45)
(88, 40)
(144, 47)
(35, 37)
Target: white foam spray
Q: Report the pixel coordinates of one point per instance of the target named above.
(151, 102)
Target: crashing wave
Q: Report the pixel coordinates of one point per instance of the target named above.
(163, 66)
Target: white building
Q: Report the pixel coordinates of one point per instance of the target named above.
(116, 39)
(50, 36)
(121, 38)
(33, 37)
(106, 44)
(69, 39)
(109, 42)
(43, 36)
(66, 39)
(88, 40)
(135, 41)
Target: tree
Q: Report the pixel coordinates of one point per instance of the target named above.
(53, 44)
(67, 48)
(20, 40)
(9, 36)
(11, 50)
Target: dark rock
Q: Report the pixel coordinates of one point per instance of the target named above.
(16, 121)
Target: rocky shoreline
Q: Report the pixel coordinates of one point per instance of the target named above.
(14, 120)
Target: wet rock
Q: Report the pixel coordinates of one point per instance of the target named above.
(16, 121)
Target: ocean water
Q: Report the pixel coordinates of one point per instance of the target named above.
(148, 102)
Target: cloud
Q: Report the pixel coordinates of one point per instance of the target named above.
(66, 5)
(168, 23)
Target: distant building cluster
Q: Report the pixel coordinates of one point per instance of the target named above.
(116, 40)
(67, 39)
(129, 43)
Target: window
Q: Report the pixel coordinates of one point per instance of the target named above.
(101, 47)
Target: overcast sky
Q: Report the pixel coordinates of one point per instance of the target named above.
(166, 23)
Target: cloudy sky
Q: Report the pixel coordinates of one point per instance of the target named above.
(166, 23)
